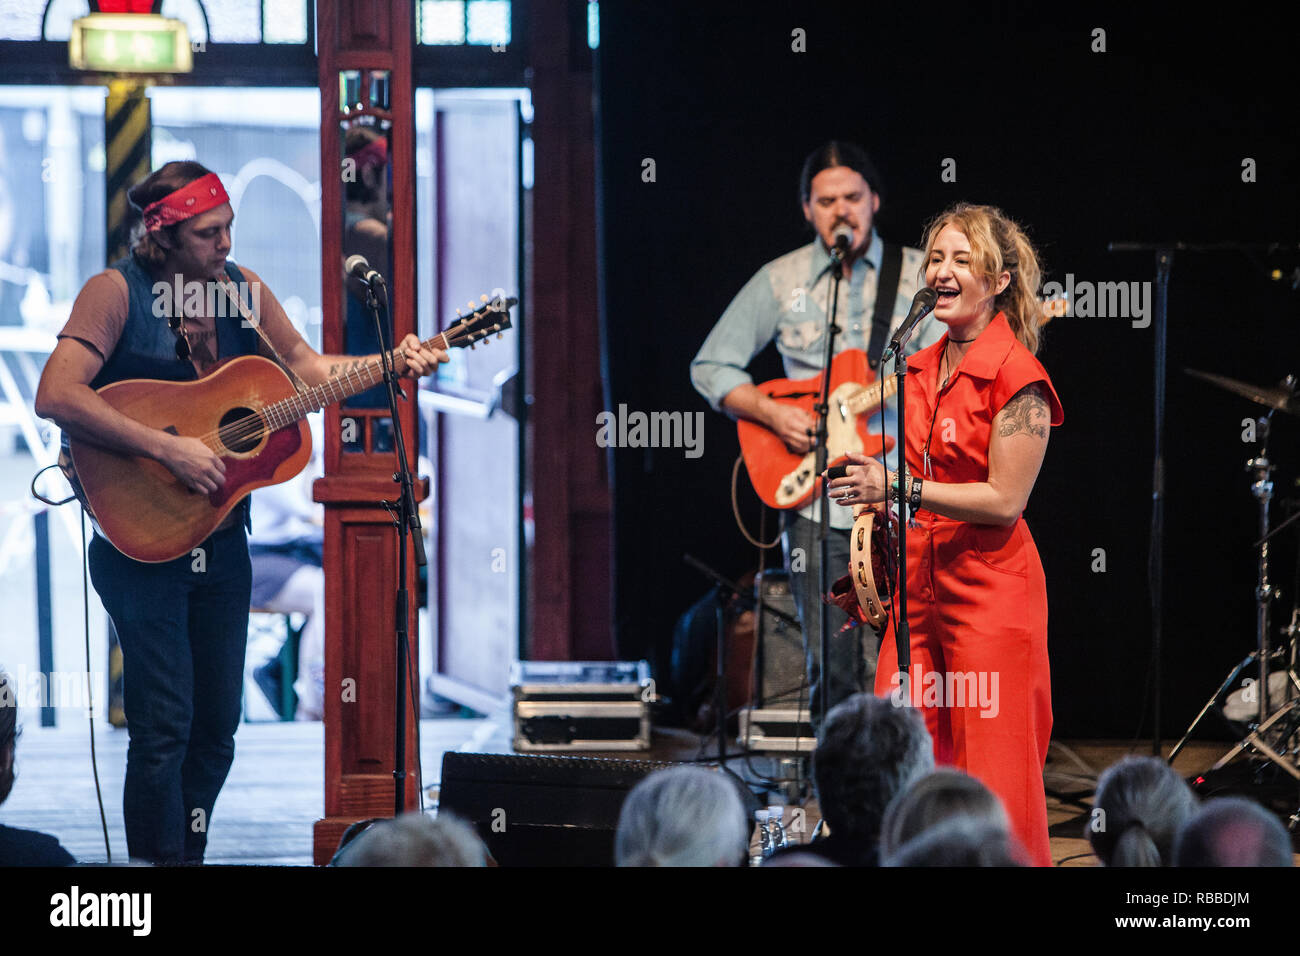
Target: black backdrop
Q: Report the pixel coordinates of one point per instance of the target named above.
(1142, 142)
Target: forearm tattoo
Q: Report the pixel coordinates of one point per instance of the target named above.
(338, 368)
(1027, 411)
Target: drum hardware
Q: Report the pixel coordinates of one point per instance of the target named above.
(1273, 732)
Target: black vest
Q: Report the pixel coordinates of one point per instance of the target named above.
(147, 347)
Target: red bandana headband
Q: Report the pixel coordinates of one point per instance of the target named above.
(203, 194)
(374, 153)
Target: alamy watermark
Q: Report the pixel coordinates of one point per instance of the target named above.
(205, 298)
(974, 689)
(32, 690)
(626, 429)
(1102, 300)
(74, 908)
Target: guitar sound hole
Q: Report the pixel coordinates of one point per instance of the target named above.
(241, 430)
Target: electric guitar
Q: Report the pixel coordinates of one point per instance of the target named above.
(249, 413)
(784, 479)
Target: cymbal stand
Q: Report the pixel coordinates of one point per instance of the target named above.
(1262, 488)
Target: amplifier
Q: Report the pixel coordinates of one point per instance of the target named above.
(541, 811)
(581, 705)
(777, 729)
(779, 645)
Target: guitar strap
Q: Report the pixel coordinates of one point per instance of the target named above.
(233, 295)
(891, 267)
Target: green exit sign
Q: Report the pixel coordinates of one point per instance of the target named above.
(130, 43)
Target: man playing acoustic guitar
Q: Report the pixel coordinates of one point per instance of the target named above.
(182, 623)
(788, 300)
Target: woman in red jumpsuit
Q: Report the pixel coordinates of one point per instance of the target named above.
(979, 407)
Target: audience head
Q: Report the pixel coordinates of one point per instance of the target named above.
(870, 750)
(936, 797)
(415, 839)
(8, 733)
(1233, 831)
(960, 841)
(1141, 802)
(683, 816)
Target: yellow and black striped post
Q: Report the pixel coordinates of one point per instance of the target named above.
(127, 149)
(127, 140)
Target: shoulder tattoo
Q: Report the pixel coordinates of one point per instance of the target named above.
(1027, 411)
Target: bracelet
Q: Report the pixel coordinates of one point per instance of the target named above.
(914, 499)
(897, 493)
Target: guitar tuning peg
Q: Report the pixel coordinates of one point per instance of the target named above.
(470, 306)
(483, 297)
(500, 335)
(471, 346)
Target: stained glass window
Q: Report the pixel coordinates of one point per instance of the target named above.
(21, 19)
(234, 21)
(489, 21)
(58, 22)
(284, 21)
(231, 21)
(463, 22)
(442, 22)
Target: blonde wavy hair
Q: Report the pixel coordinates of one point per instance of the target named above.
(997, 245)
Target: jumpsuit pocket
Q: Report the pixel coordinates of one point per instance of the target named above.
(1001, 549)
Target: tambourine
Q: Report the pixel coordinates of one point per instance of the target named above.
(867, 591)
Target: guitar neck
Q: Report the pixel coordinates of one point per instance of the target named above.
(354, 380)
(868, 399)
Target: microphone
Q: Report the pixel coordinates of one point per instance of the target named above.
(843, 237)
(922, 305)
(358, 267)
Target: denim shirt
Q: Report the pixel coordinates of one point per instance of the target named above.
(787, 300)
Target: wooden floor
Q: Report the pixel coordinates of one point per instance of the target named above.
(274, 793)
(264, 815)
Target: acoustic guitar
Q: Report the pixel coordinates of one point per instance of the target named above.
(249, 413)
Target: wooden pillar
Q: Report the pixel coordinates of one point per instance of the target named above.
(361, 573)
(570, 588)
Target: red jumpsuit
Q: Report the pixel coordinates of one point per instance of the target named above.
(977, 598)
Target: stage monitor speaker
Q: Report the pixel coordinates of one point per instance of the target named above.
(542, 811)
(780, 646)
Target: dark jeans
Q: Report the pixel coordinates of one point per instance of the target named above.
(852, 652)
(183, 625)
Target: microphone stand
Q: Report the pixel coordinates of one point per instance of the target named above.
(822, 408)
(406, 519)
(902, 631)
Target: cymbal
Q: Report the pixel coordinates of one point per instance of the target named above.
(1279, 397)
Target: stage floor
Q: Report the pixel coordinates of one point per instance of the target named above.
(274, 793)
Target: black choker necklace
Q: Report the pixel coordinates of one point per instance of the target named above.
(962, 341)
